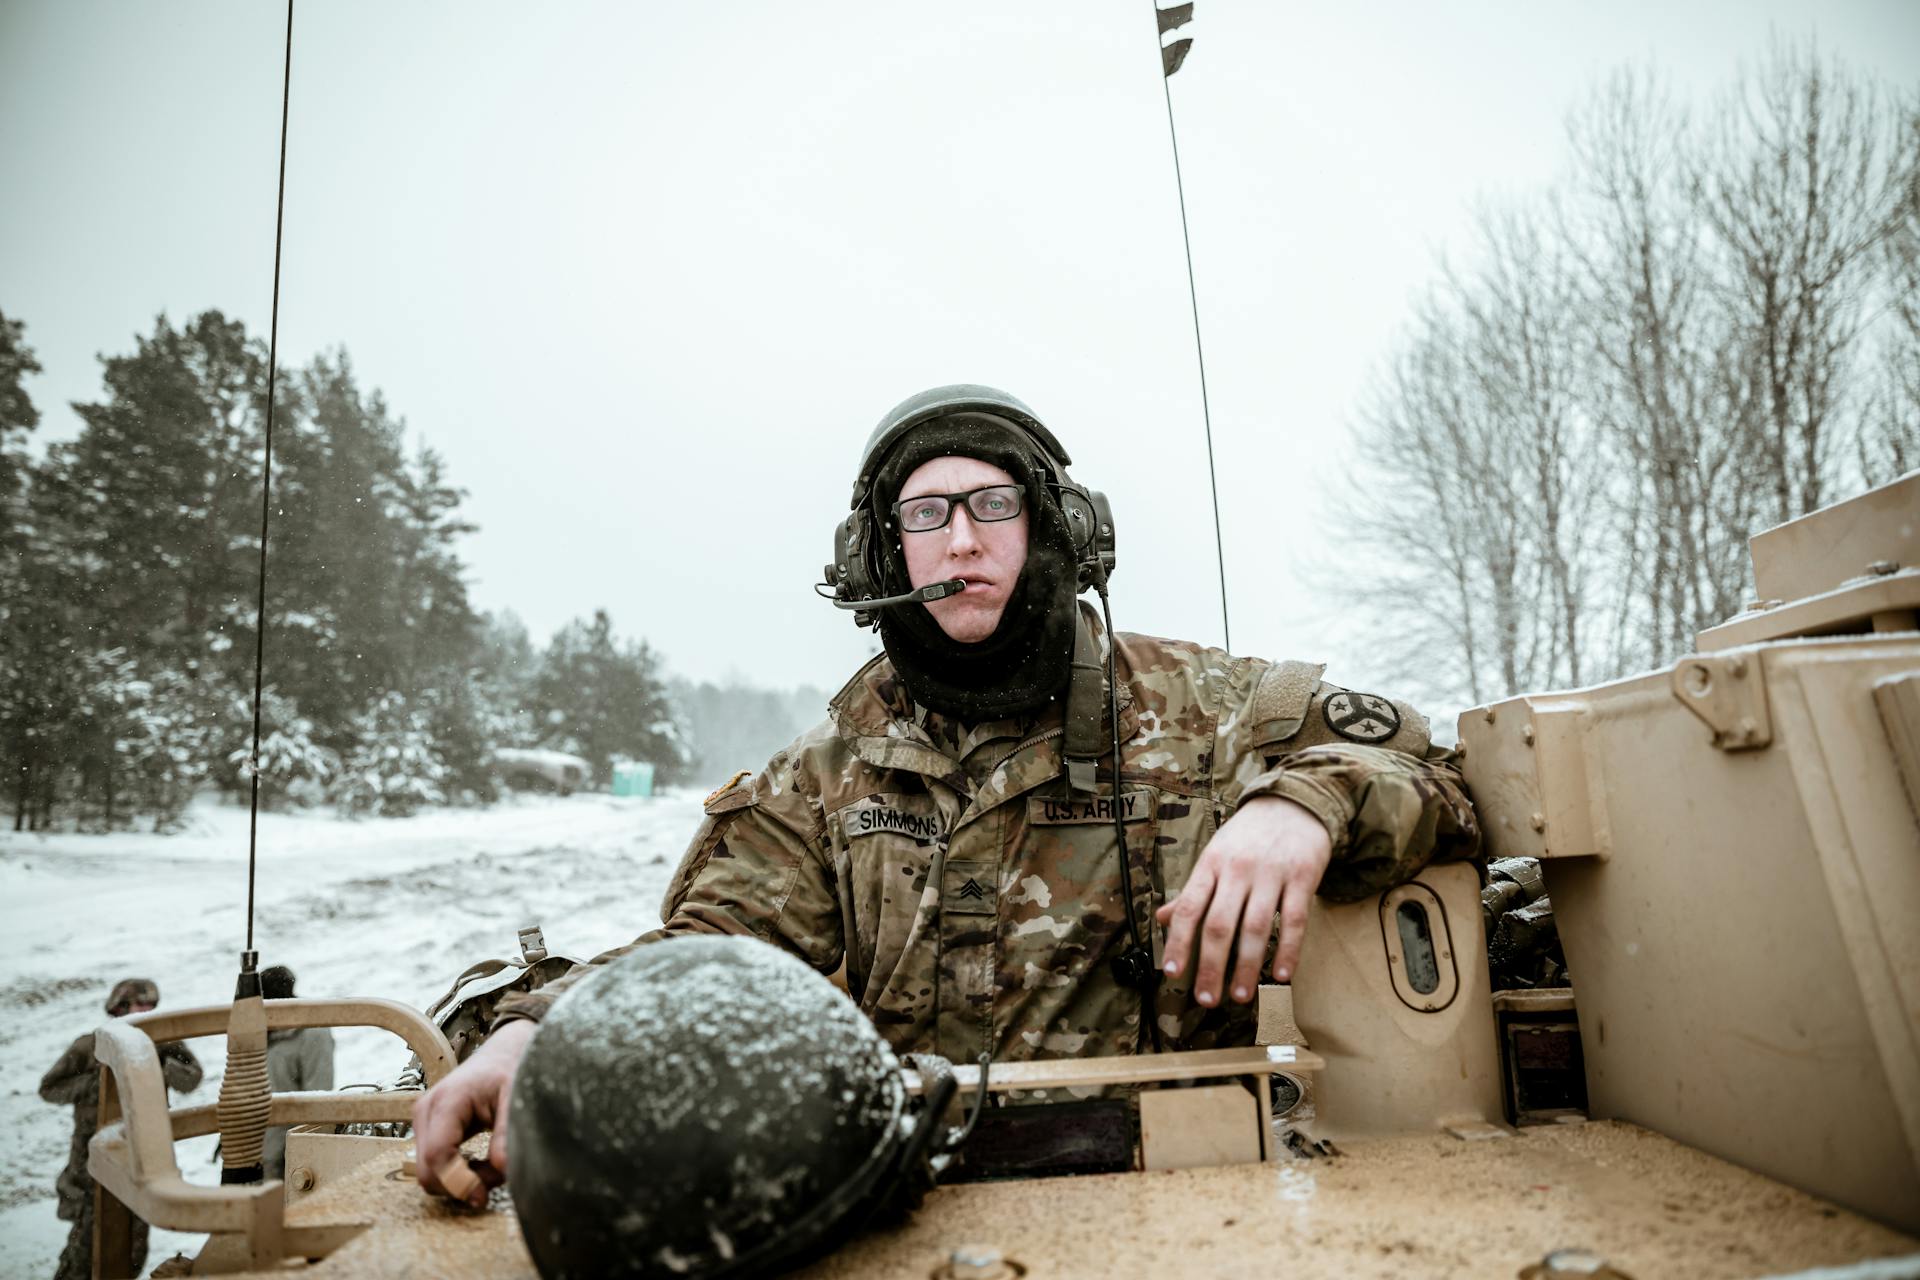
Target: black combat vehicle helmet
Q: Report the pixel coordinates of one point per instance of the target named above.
(706, 1107)
(941, 402)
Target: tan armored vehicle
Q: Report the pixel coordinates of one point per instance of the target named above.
(1730, 1087)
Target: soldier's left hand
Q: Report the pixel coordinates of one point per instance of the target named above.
(1269, 856)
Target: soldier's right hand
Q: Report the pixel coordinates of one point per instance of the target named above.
(473, 1097)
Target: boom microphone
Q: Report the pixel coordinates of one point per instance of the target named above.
(932, 591)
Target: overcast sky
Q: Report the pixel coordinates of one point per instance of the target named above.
(647, 275)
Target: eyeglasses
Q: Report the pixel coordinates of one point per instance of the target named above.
(932, 511)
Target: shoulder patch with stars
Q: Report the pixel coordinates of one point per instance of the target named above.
(1360, 717)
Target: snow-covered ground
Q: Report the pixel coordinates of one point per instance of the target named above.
(382, 907)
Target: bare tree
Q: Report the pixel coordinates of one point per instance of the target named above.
(1888, 443)
(1478, 427)
(1657, 345)
(1633, 375)
(1525, 353)
(1799, 179)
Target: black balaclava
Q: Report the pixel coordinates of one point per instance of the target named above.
(1023, 665)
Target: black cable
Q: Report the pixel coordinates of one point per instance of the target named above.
(958, 1137)
(266, 479)
(1144, 977)
(1113, 721)
(1193, 297)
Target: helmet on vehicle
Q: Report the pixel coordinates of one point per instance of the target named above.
(704, 1106)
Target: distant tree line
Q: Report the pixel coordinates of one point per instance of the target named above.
(735, 726)
(128, 589)
(1712, 325)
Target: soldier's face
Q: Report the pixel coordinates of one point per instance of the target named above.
(989, 555)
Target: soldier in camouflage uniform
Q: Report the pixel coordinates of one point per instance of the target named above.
(925, 838)
(75, 1080)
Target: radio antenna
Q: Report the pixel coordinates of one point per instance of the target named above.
(1172, 56)
(246, 1093)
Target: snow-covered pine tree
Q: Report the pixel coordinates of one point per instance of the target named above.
(394, 767)
(293, 767)
(598, 697)
(142, 535)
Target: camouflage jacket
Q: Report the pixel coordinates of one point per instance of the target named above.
(75, 1080)
(974, 901)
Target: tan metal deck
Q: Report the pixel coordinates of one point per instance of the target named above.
(1420, 1206)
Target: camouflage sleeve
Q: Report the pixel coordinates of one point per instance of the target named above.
(181, 1069)
(1362, 764)
(68, 1078)
(758, 867)
(1389, 813)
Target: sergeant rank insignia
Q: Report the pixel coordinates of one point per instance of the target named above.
(1361, 717)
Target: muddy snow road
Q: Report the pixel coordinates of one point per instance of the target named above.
(394, 908)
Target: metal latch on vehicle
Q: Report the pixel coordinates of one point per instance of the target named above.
(1729, 694)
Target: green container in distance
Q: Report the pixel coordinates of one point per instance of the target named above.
(633, 778)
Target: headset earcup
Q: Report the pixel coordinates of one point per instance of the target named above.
(1081, 519)
(852, 575)
(856, 571)
(1090, 523)
(1103, 529)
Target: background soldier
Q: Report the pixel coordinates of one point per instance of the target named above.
(75, 1080)
(298, 1059)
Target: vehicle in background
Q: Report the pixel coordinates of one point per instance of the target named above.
(537, 770)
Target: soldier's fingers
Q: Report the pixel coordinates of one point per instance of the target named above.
(497, 1144)
(1256, 927)
(1217, 933)
(451, 1112)
(1182, 916)
(486, 1178)
(436, 1136)
(460, 1177)
(1199, 888)
(423, 1172)
(1293, 927)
